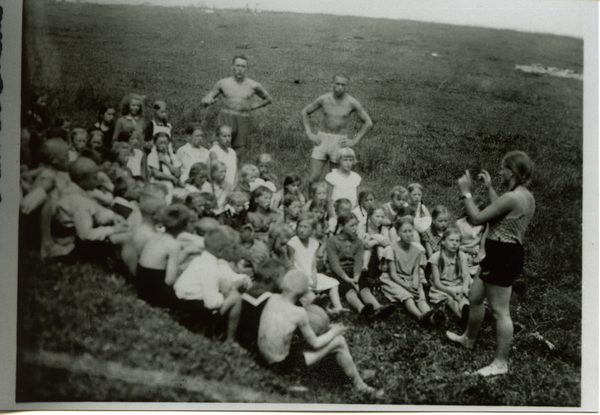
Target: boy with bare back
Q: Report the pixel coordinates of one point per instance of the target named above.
(279, 321)
(337, 106)
(238, 93)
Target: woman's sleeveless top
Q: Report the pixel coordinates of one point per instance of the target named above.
(509, 230)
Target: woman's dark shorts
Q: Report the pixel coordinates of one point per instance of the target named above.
(502, 264)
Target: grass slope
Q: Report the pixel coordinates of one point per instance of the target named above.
(434, 117)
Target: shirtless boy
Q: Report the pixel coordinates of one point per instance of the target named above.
(238, 93)
(337, 108)
(281, 318)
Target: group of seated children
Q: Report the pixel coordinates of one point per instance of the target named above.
(228, 252)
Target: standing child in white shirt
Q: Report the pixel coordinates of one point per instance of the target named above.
(343, 182)
(193, 151)
(222, 151)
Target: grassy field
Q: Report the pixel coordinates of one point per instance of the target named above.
(434, 117)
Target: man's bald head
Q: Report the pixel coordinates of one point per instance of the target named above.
(55, 152)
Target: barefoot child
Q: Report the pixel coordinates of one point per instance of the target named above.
(222, 151)
(432, 237)
(281, 318)
(450, 272)
(303, 252)
(345, 253)
(157, 266)
(404, 281)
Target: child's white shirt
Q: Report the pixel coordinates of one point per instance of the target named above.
(344, 186)
(189, 155)
(230, 159)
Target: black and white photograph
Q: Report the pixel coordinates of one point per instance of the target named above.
(358, 205)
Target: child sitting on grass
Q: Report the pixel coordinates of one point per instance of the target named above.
(472, 237)
(366, 203)
(318, 192)
(132, 118)
(197, 180)
(432, 237)
(260, 214)
(136, 160)
(303, 250)
(399, 197)
(157, 265)
(158, 124)
(345, 253)
(267, 280)
(164, 166)
(281, 318)
(279, 236)
(248, 174)
(343, 182)
(96, 139)
(291, 186)
(222, 151)
(192, 151)
(375, 237)
(404, 280)
(340, 207)
(291, 211)
(78, 139)
(264, 162)
(235, 212)
(208, 294)
(450, 275)
(151, 202)
(220, 187)
(422, 215)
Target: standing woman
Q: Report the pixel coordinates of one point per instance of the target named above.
(508, 217)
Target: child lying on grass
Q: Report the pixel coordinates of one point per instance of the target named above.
(281, 318)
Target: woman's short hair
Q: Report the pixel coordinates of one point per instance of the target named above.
(127, 101)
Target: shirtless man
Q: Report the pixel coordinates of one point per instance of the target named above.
(238, 92)
(337, 107)
(281, 318)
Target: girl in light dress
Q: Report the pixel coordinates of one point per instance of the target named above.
(303, 252)
(404, 280)
(450, 274)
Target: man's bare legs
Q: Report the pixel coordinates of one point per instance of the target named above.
(240, 152)
(317, 167)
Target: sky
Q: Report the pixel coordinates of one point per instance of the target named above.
(561, 17)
